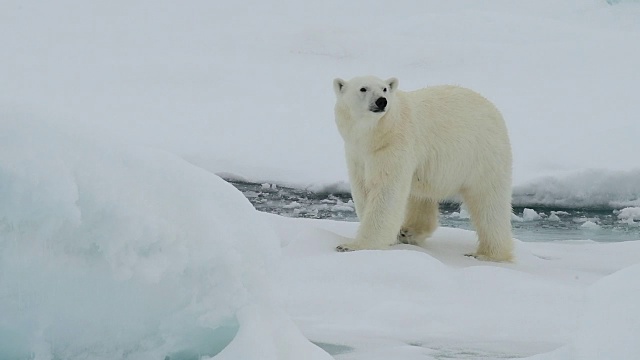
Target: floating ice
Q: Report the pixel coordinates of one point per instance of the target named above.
(343, 207)
(530, 215)
(553, 217)
(593, 188)
(462, 214)
(292, 205)
(590, 225)
(629, 215)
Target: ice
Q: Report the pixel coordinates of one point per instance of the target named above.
(611, 318)
(244, 89)
(530, 215)
(590, 225)
(434, 303)
(292, 205)
(629, 215)
(269, 187)
(462, 214)
(609, 322)
(585, 189)
(115, 251)
(111, 251)
(343, 207)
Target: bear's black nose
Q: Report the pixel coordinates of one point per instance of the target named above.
(381, 103)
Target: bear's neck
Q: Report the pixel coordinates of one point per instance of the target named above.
(362, 132)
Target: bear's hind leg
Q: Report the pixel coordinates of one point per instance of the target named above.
(490, 212)
(421, 220)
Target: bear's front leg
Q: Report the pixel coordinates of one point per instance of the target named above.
(388, 183)
(357, 182)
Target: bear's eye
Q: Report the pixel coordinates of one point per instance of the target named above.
(384, 90)
(363, 89)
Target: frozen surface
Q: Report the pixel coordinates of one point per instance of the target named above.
(593, 188)
(114, 251)
(530, 215)
(573, 300)
(109, 251)
(244, 88)
(630, 215)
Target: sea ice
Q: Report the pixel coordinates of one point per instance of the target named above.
(629, 215)
(530, 215)
(110, 251)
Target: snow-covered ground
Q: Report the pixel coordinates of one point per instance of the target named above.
(115, 251)
(113, 246)
(570, 301)
(245, 87)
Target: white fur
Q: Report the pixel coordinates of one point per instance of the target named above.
(425, 147)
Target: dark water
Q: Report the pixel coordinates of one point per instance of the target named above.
(550, 224)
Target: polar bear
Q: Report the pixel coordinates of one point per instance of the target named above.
(406, 151)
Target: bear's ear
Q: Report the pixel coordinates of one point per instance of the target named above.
(393, 84)
(338, 86)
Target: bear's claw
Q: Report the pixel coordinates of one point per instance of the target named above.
(488, 258)
(343, 248)
(404, 236)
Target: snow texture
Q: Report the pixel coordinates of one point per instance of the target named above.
(576, 299)
(530, 215)
(629, 215)
(112, 246)
(108, 251)
(244, 88)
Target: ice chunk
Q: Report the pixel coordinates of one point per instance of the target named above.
(108, 250)
(590, 225)
(530, 215)
(629, 215)
(292, 205)
(463, 214)
(343, 207)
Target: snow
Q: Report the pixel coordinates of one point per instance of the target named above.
(115, 251)
(555, 215)
(462, 214)
(292, 205)
(530, 215)
(629, 215)
(590, 225)
(343, 207)
(113, 246)
(592, 188)
(434, 303)
(109, 251)
(609, 323)
(244, 89)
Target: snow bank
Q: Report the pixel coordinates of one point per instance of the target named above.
(109, 251)
(593, 188)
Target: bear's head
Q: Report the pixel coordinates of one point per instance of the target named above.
(366, 96)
